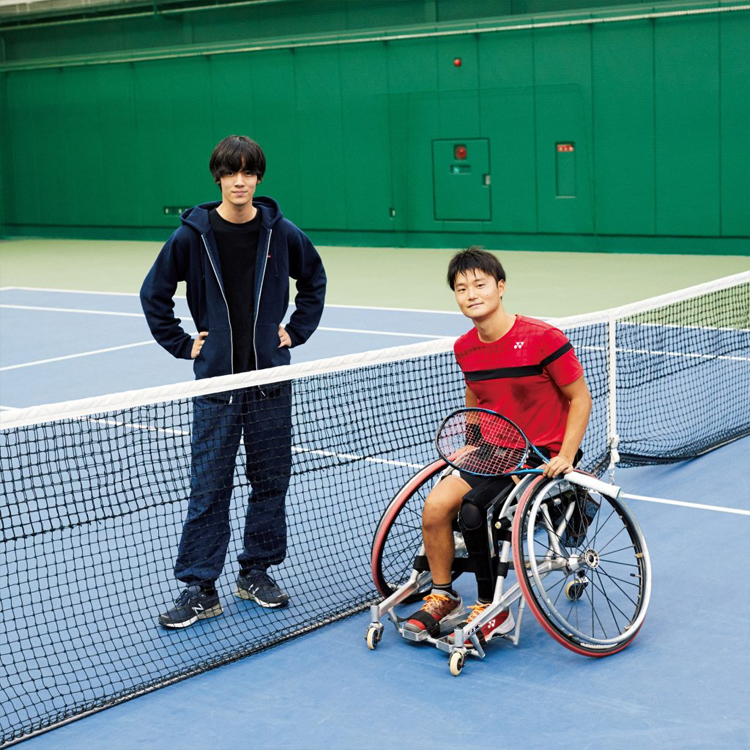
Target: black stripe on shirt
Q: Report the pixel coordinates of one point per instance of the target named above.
(557, 354)
(523, 371)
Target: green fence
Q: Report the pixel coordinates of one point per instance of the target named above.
(629, 135)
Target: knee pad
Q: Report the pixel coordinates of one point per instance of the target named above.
(471, 517)
(473, 514)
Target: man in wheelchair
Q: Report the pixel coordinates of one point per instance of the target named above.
(526, 370)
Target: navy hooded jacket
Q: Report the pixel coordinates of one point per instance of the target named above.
(191, 255)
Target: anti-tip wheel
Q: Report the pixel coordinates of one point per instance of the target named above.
(456, 663)
(574, 590)
(374, 634)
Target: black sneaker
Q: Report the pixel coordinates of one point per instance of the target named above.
(193, 604)
(260, 587)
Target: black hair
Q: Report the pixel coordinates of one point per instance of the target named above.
(237, 153)
(474, 259)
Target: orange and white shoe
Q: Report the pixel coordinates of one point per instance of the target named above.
(437, 608)
(501, 624)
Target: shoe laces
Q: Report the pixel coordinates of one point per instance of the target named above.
(434, 600)
(186, 595)
(476, 610)
(261, 578)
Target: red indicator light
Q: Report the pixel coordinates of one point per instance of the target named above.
(565, 147)
(459, 152)
(457, 62)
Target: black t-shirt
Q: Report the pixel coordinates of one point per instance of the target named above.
(238, 249)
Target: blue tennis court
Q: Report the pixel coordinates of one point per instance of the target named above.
(683, 682)
(95, 344)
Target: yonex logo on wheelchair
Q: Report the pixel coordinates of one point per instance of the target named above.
(577, 553)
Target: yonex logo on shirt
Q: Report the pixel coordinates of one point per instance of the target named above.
(518, 344)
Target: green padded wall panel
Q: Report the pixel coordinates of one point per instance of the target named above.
(623, 89)
(563, 114)
(735, 125)
(687, 126)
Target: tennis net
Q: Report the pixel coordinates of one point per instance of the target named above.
(94, 492)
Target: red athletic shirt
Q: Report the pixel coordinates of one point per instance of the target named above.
(519, 376)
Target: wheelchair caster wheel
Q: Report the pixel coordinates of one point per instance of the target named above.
(374, 634)
(456, 663)
(574, 590)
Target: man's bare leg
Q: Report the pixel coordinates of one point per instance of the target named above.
(440, 511)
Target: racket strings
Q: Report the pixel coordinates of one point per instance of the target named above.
(482, 443)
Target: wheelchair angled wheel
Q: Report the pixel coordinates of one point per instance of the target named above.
(397, 544)
(582, 565)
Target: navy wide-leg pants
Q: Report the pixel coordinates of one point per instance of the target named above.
(262, 417)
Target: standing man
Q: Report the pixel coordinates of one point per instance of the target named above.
(237, 256)
(526, 370)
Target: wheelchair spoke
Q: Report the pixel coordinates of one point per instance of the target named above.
(610, 603)
(595, 614)
(620, 562)
(622, 580)
(570, 609)
(614, 552)
(549, 589)
(614, 581)
(562, 588)
(604, 605)
(611, 540)
(600, 527)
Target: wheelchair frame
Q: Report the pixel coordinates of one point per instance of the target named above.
(528, 501)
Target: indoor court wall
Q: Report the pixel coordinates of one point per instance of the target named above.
(626, 136)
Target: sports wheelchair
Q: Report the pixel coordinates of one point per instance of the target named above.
(580, 561)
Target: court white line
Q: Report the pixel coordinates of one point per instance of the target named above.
(354, 457)
(182, 296)
(397, 309)
(71, 291)
(698, 506)
(75, 356)
(136, 426)
(140, 315)
(73, 310)
(383, 333)
(311, 451)
(655, 353)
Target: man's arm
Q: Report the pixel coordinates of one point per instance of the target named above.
(578, 394)
(471, 399)
(306, 267)
(157, 300)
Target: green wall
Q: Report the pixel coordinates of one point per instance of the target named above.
(658, 111)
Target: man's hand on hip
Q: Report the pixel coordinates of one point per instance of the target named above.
(198, 344)
(284, 338)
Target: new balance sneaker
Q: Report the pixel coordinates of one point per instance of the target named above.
(261, 588)
(437, 608)
(501, 624)
(192, 604)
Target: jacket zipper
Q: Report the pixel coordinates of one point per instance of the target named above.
(229, 320)
(257, 302)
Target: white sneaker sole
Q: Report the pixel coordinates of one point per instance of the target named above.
(247, 596)
(205, 615)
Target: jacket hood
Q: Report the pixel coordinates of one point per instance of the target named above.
(197, 217)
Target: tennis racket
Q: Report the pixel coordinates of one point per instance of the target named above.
(486, 444)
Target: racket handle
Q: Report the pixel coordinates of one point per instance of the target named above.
(592, 483)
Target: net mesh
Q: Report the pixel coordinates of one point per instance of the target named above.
(95, 493)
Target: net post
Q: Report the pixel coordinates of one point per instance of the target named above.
(613, 439)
